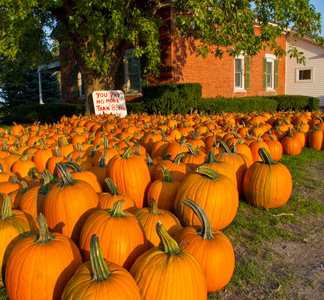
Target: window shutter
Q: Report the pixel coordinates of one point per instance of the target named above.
(247, 72)
(144, 77)
(264, 73)
(276, 71)
(120, 76)
(75, 81)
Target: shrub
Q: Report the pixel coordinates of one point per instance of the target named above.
(296, 102)
(136, 107)
(45, 113)
(172, 98)
(243, 105)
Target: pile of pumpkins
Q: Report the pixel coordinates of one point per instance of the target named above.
(133, 208)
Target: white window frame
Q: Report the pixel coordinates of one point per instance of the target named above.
(242, 87)
(270, 58)
(80, 85)
(127, 56)
(305, 80)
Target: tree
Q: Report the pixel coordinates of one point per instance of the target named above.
(26, 90)
(99, 31)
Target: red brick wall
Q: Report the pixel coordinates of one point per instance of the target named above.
(217, 75)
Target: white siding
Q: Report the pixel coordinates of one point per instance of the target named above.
(315, 61)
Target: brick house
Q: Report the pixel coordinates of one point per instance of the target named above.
(241, 76)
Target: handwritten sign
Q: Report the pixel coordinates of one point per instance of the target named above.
(109, 102)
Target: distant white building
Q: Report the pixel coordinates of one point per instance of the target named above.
(305, 79)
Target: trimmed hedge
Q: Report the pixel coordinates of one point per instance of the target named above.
(243, 105)
(172, 98)
(296, 102)
(135, 107)
(45, 113)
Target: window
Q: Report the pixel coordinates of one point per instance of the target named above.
(78, 85)
(239, 73)
(270, 72)
(304, 75)
(132, 71)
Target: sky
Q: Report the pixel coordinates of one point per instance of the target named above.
(319, 6)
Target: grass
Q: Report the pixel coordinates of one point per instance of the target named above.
(258, 272)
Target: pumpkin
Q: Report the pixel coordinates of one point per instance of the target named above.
(148, 218)
(316, 138)
(290, 144)
(68, 204)
(164, 191)
(268, 183)
(107, 200)
(121, 235)
(13, 223)
(100, 279)
(22, 166)
(131, 176)
(214, 192)
(41, 265)
(210, 247)
(194, 157)
(167, 272)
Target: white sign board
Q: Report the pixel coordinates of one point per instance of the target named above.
(109, 102)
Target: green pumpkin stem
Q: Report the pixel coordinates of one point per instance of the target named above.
(170, 245)
(99, 268)
(211, 157)
(224, 145)
(6, 210)
(155, 209)
(205, 231)
(117, 210)
(266, 156)
(66, 178)
(44, 236)
(210, 173)
(192, 150)
(112, 186)
(166, 174)
(178, 158)
(127, 152)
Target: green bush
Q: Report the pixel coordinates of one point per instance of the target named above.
(45, 113)
(296, 102)
(243, 105)
(135, 107)
(172, 98)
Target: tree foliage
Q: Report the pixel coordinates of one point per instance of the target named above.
(99, 31)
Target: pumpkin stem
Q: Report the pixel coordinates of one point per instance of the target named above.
(211, 157)
(192, 150)
(178, 158)
(44, 236)
(266, 156)
(117, 210)
(66, 178)
(170, 245)
(112, 186)
(166, 174)
(205, 231)
(155, 209)
(127, 152)
(224, 145)
(210, 173)
(6, 210)
(99, 268)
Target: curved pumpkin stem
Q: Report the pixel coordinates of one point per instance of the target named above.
(192, 150)
(6, 210)
(210, 173)
(178, 158)
(266, 156)
(149, 160)
(166, 174)
(99, 268)
(205, 231)
(224, 145)
(44, 234)
(170, 245)
(102, 163)
(211, 157)
(127, 153)
(155, 209)
(66, 178)
(112, 186)
(117, 210)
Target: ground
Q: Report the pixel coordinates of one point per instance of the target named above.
(287, 268)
